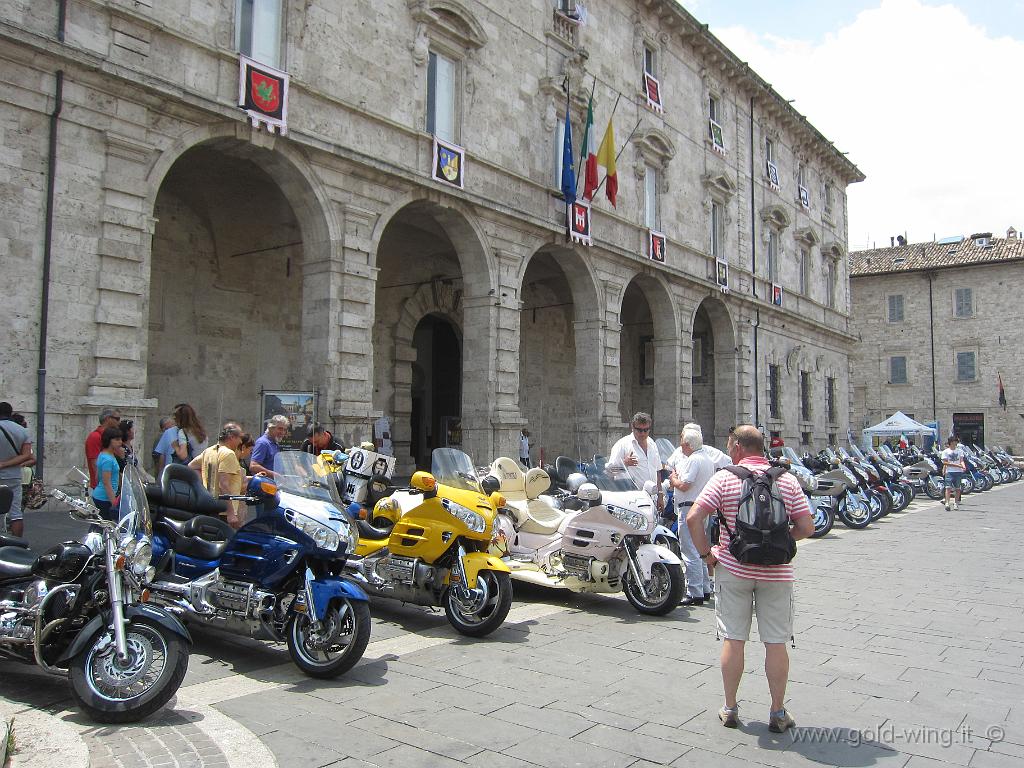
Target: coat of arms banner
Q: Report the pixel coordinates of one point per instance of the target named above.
(448, 163)
(263, 94)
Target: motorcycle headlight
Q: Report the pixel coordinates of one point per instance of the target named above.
(473, 520)
(628, 517)
(141, 557)
(322, 536)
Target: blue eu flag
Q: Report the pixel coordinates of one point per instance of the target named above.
(568, 172)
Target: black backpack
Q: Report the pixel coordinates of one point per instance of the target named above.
(762, 534)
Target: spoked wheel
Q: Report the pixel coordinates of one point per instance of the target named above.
(480, 611)
(335, 644)
(113, 690)
(824, 519)
(854, 513)
(663, 590)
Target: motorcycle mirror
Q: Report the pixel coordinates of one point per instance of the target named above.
(424, 481)
(649, 487)
(490, 484)
(77, 476)
(590, 493)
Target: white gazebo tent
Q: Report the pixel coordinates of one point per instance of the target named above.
(897, 424)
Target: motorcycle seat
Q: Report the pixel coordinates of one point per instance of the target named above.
(182, 488)
(15, 562)
(542, 518)
(7, 540)
(204, 538)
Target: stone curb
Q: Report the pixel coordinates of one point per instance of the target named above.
(44, 741)
(5, 729)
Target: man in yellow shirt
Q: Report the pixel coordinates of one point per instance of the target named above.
(218, 465)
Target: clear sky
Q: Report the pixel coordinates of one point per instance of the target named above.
(927, 98)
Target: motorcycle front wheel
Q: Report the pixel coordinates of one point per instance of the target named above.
(854, 513)
(824, 519)
(664, 589)
(337, 645)
(484, 609)
(934, 487)
(111, 690)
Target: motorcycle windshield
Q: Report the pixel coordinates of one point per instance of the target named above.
(794, 459)
(665, 448)
(297, 473)
(453, 468)
(133, 511)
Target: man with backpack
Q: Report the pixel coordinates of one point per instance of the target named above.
(756, 504)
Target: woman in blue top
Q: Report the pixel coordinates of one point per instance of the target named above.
(105, 494)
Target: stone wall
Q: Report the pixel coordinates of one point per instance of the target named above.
(990, 333)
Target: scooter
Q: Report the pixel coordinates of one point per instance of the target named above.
(427, 545)
(279, 577)
(586, 539)
(820, 495)
(77, 610)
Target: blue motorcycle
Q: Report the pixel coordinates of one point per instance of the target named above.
(279, 577)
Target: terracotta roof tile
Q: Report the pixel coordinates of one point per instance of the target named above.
(916, 256)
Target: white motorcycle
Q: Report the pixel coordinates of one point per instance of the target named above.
(595, 537)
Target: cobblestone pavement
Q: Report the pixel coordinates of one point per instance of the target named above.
(910, 653)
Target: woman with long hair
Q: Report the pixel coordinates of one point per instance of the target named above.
(190, 440)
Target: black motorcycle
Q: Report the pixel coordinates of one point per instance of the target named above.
(75, 611)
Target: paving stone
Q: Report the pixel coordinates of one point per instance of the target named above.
(644, 746)
(420, 738)
(546, 719)
(558, 752)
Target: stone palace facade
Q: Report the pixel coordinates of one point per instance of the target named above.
(194, 254)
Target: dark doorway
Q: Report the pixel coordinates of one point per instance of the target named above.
(436, 419)
(969, 428)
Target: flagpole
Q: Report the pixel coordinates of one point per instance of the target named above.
(579, 164)
(617, 156)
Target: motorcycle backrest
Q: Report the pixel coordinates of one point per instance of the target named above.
(537, 481)
(182, 488)
(565, 466)
(512, 478)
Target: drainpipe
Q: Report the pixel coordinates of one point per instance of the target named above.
(44, 308)
(753, 273)
(931, 332)
(62, 15)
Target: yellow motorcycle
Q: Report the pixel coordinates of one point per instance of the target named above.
(428, 545)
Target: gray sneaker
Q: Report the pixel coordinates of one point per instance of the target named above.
(730, 717)
(780, 722)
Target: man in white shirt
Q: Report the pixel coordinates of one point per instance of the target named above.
(718, 458)
(690, 474)
(636, 456)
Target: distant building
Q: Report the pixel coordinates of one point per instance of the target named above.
(939, 325)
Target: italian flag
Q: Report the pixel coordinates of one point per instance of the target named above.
(589, 155)
(606, 158)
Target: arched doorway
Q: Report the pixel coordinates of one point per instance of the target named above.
(649, 355)
(227, 282)
(559, 384)
(430, 262)
(436, 417)
(713, 372)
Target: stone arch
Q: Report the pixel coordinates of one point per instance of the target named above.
(300, 341)
(663, 375)
(479, 271)
(284, 162)
(715, 391)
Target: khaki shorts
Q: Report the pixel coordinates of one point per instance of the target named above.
(737, 600)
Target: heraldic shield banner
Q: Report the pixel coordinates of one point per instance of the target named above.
(448, 164)
(263, 94)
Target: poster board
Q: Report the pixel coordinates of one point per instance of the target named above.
(298, 407)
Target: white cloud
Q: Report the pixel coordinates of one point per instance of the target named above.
(927, 105)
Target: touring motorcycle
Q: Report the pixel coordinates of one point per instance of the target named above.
(594, 537)
(279, 577)
(427, 545)
(78, 610)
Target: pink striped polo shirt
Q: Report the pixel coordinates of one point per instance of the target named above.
(723, 492)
